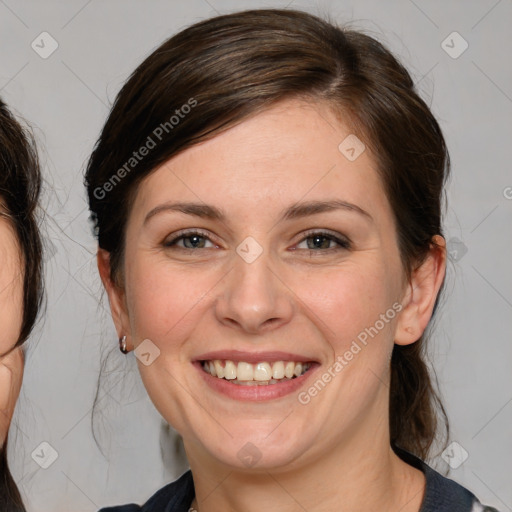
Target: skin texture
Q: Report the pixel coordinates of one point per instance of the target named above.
(311, 302)
(11, 309)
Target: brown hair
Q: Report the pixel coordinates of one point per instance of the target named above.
(20, 183)
(234, 66)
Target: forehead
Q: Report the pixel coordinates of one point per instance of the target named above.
(290, 151)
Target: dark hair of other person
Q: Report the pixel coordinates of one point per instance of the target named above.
(20, 183)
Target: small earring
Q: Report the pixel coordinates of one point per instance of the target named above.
(122, 345)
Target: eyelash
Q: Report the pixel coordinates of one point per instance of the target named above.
(343, 243)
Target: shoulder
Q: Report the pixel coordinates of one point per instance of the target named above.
(441, 493)
(174, 497)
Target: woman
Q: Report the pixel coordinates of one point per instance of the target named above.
(20, 276)
(267, 198)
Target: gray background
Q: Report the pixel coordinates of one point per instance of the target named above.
(66, 98)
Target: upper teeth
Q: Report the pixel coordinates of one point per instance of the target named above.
(259, 372)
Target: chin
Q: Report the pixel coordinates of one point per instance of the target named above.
(258, 451)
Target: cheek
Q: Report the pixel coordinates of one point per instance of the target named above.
(11, 289)
(164, 302)
(352, 307)
(342, 301)
(348, 299)
(11, 310)
(165, 307)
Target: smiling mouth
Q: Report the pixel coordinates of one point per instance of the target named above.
(259, 374)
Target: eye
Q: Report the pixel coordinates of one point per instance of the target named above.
(321, 241)
(316, 241)
(191, 240)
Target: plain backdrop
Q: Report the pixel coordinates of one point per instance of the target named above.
(66, 97)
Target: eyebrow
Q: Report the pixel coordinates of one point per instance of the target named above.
(295, 211)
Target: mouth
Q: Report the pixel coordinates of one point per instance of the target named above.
(255, 376)
(262, 373)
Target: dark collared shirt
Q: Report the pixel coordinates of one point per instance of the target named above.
(441, 494)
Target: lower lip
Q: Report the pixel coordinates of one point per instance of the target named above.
(257, 393)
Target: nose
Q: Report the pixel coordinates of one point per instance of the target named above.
(254, 298)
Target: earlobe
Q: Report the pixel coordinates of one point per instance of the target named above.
(421, 293)
(115, 294)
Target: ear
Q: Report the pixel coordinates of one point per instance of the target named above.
(116, 297)
(421, 293)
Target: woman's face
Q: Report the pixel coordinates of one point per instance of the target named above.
(11, 313)
(302, 266)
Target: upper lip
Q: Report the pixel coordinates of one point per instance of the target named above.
(253, 357)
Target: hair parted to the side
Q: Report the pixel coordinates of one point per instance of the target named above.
(20, 183)
(233, 67)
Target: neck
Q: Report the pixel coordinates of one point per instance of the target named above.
(361, 473)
